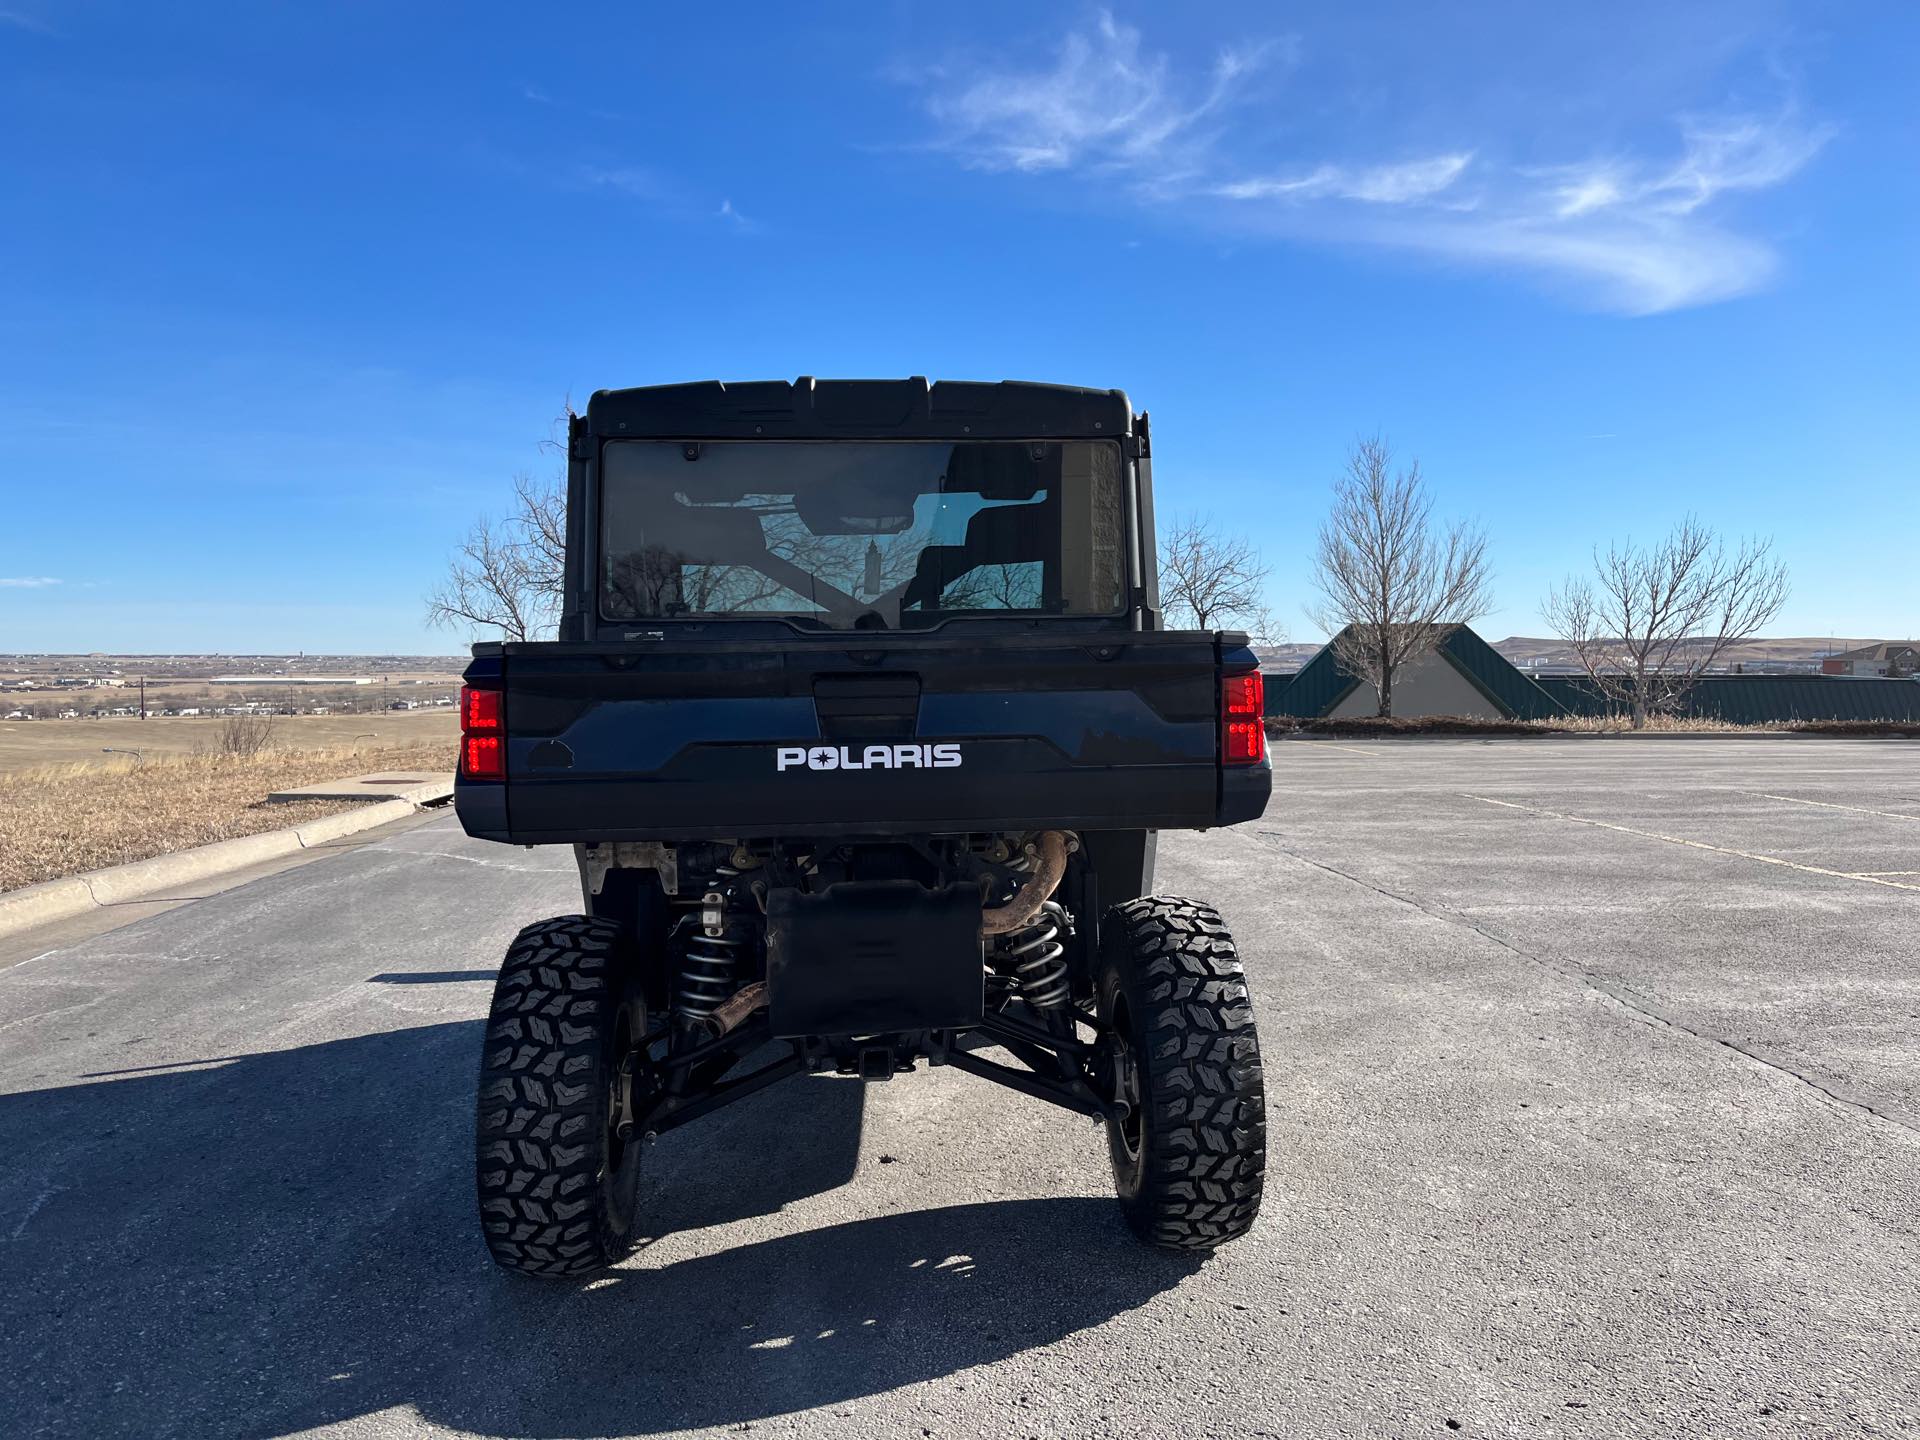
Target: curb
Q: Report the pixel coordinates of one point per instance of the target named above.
(424, 793)
(73, 895)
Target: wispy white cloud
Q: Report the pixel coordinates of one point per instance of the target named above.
(20, 20)
(534, 95)
(1718, 155)
(1397, 184)
(1583, 189)
(1743, 152)
(26, 582)
(1633, 263)
(1635, 233)
(664, 195)
(1101, 102)
(635, 181)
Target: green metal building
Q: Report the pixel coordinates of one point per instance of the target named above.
(1465, 675)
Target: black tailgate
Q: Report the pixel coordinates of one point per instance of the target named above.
(868, 734)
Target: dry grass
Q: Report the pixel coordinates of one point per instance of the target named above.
(1701, 725)
(1656, 724)
(1363, 726)
(1905, 729)
(30, 745)
(64, 819)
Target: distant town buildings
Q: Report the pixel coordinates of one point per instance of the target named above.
(289, 680)
(1895, 659)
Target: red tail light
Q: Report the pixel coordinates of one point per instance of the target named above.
(1243, 734)
(483, 745)
(479, 711)
(483, 758)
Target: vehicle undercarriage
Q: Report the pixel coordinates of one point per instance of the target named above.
(735, 966)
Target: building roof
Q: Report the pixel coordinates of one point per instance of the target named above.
(1323, 682)
(1320, 685)
(1497, 677)
(1735, 699)
(1884, 650)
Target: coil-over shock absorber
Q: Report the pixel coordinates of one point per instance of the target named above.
(1037, 957)
(711, 946)
(1024, 930)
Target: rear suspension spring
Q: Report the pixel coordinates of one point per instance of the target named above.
(712, 942)
(1037, 958)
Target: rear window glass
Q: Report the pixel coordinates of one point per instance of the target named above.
(873, 534)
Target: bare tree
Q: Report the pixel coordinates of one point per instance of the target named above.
(1654, 619)
(245, 735)
(993, 587)
(509, 573)
(1210, 579)
(1392, 583)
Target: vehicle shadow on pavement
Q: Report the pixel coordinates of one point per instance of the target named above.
(284, 1240)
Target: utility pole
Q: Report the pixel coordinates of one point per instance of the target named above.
(143, 697)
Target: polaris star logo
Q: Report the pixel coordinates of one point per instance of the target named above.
(868, 757)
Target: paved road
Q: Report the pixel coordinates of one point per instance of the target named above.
(1589, 1118)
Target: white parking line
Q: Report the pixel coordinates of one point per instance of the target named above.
(1831, 805)
(1698, 844)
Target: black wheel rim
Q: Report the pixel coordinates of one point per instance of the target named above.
(619, 1093)
(1129, 1126)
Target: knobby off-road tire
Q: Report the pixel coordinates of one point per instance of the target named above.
(556, 1183)
(1190, 1161)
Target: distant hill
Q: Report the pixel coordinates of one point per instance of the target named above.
(1521, 649)
(187, 667)
(1285, 657)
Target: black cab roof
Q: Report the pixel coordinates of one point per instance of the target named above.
(849, 409)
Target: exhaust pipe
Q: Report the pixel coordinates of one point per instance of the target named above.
(1049, 852)
(732, 1012)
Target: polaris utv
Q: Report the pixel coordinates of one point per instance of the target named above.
(861, 722)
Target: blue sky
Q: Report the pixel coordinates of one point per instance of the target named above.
(289, 293)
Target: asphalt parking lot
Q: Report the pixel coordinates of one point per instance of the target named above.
(1593, 1071)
